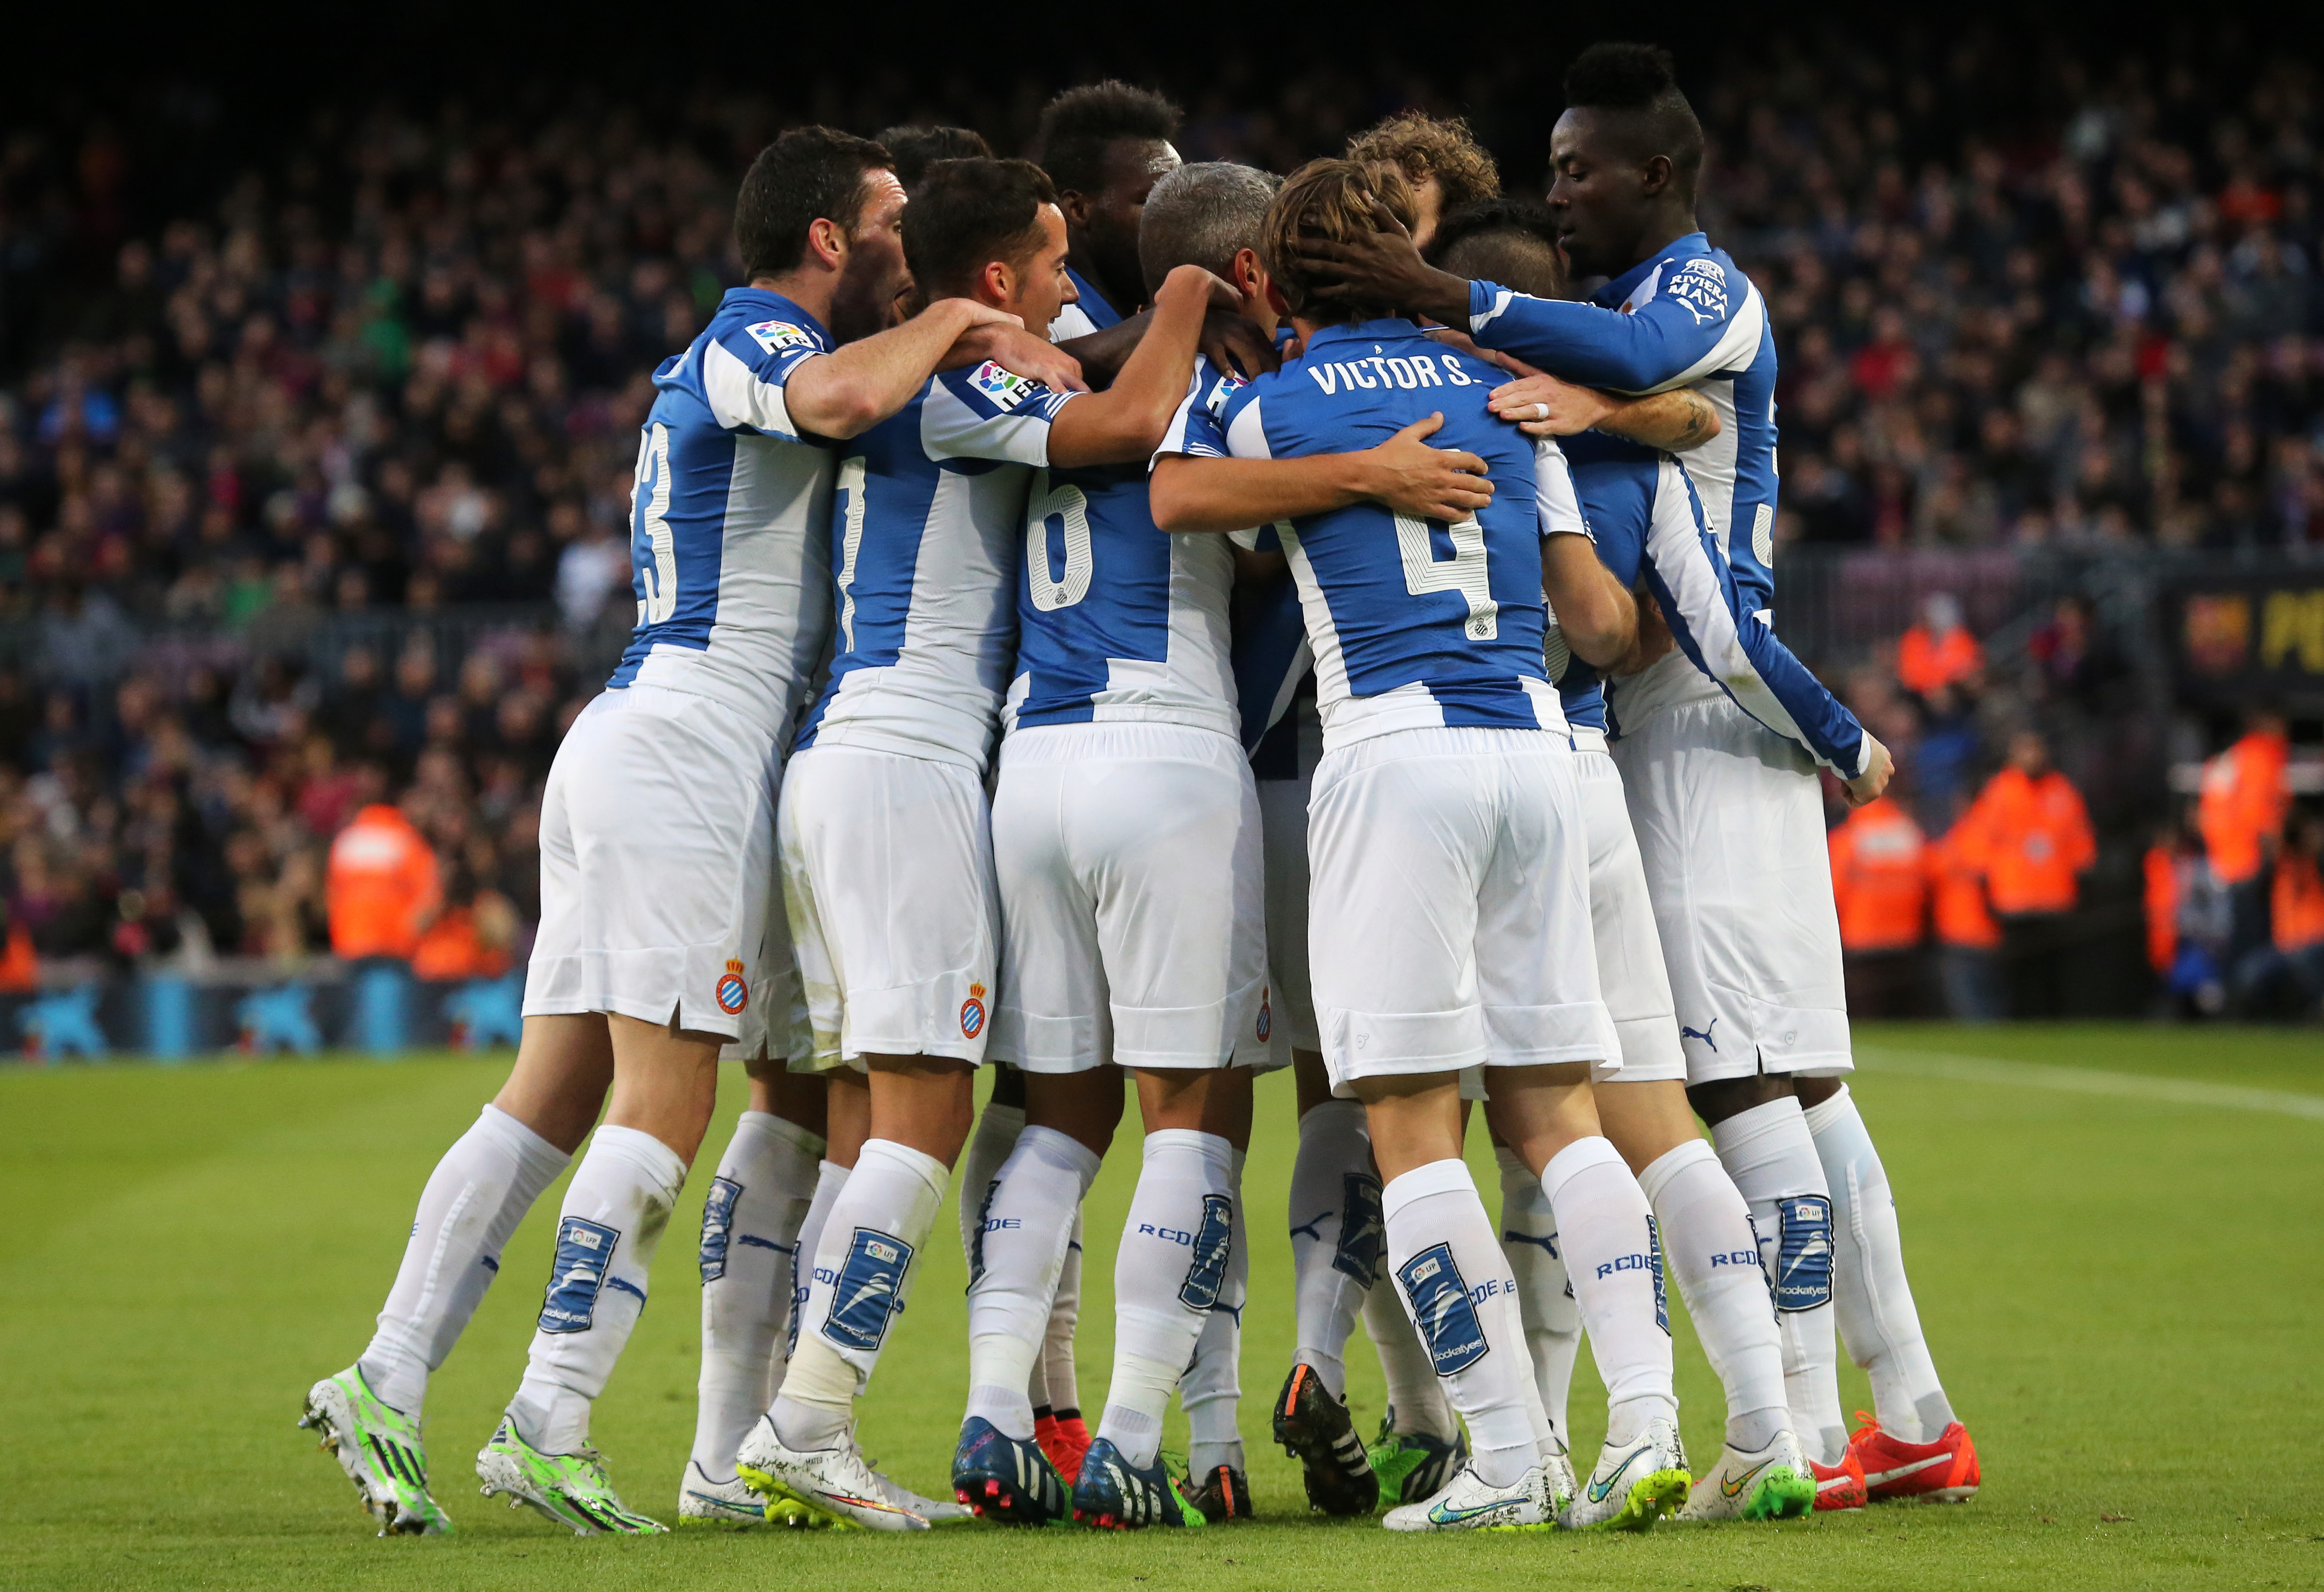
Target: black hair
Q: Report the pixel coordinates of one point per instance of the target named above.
(916, 149)
(807, 175)
(1485, 217)
(1077, 126)
(1641, 79)
(966, 214)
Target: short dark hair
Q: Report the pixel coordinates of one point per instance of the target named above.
(966, 214)
(1511, 241)
(916, 149)
(1641, 79)
(1439, 146)
(1331, 200)
(1078, 125)
(1202, 215)
(807, 175)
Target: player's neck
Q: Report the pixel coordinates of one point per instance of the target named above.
(1079, 262)
(811, 288)
(1659, 233)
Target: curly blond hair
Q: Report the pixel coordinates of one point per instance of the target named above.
(1443, 147)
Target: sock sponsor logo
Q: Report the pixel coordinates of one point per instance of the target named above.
(1662, 1297)
(863, 1294)
(584, 1250)
(1803, 1258)
(1443, 1310)
(1214, 1245)
(1625, 1263)
(1734, 1257)
(1363, 1231)
(1546, 1242)
(717, 1224)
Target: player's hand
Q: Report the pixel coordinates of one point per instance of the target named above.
(1384, 267)
(1004, 340)
(1655, 639)
(1230, 341)
(1215, 290)
(1544, 406)
(1425, 483)
(1878, 768)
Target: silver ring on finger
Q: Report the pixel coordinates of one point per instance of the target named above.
(1541, 411)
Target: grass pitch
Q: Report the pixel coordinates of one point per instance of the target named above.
(2122, 1287)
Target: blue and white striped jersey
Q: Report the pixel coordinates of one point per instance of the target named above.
(1116, 619)
(1089, 313)
(727, 549)
(1413, 624)
(1650, 519)
(926, 531)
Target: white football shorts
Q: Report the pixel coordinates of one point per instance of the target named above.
(887, 878)
(1631, 978)
(1283, 825)
(1128, 855)
(657, 892)
(1729, 823)
(1449, 906)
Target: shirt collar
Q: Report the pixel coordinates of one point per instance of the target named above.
(1619, 288)
(1378, 331)
(750, 298)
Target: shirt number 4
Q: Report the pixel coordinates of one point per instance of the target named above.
(1464, 572)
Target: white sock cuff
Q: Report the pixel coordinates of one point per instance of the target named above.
(642, 1149)
(1234, 1164)
(1216, 1155)
(1511, 1163)
(1577, 1158)
(783, 1128)
(1060, 1150)
(1666, 1167)
(535, 1153)
(1746, 1129)
(1829, 1114)
(931, 1171)
(1449, 1176)
(1010, 1118)
(1333, 1116)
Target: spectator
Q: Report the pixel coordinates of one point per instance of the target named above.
(2241, 813)
(1968, 940)
(2188, 924)
(1939, 653)
(2285, 978)
(2034, 835)
(1880, 883)
(384, 887)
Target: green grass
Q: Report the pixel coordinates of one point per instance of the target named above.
(2123, 1295)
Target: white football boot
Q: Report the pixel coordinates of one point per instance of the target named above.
(1467, 1504)
(703, 1501)
(1774, 1482)
(835, 1483)
(1635, 1485)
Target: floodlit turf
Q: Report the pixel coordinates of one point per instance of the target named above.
(2123, 1294)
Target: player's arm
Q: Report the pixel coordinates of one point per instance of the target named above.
(1228, 341)
(1543, 406)
(1595, 612)
(1127, 420)
(1195, 488)
(1694, 587)
(1009, 346)
(846, 393)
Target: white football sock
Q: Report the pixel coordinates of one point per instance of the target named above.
(1877, 1320)
(864, 1269)
(1014, 1262)
(1057, 1386)
(1707, 1234)
(1769, 1153)
(616, 1209)
(473, 1200)
(997, 1127)
(749, 1235)
(1169, 1272)
(1455, 1283)
(1552, 1320)
(1415, 1399)
(1606, 1232)
(1212, 1386)
(1335, 1235)
(830, 1178)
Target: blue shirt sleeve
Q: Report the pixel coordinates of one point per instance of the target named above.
(1665, 339)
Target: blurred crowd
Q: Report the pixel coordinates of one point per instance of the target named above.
(397, 368)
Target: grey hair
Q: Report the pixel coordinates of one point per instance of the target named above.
(1202, 215)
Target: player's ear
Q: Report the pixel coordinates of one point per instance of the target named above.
(1655, 176)
(827, 242)
(1076, 206)
(1247, 275)
(998, 280)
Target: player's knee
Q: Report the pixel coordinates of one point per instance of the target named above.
(1722, 1099)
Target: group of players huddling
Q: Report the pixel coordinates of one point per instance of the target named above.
(1376, 636)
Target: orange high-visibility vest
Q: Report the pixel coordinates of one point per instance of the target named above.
(2242, 803)
(2161, 907)
(1957, 888)
(2037, 838)
(1879, 878)
(1924, 663)
(2297, 902)
(381, 885)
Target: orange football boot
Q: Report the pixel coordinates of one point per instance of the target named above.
(1840, 1486)
(1065, 1441)
(1942, 1472)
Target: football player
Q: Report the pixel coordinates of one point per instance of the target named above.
(657, 944)
(1449, 918)
(882, 823)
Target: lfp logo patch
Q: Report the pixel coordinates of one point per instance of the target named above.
(972, 1013)
(1003, 389)
(733, 992)
(775, 336)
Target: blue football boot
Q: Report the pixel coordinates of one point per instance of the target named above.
(1005, 1478)
(1117, 1496)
